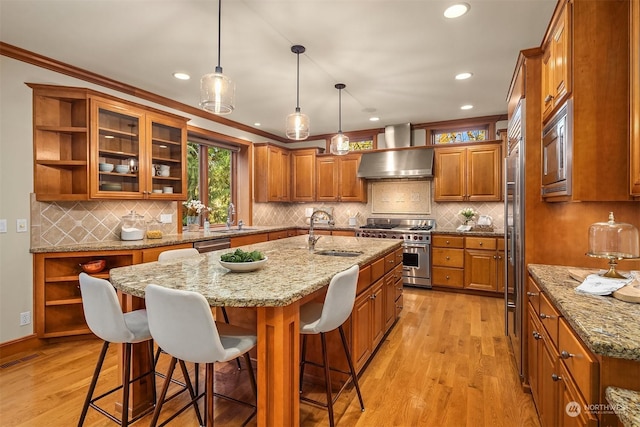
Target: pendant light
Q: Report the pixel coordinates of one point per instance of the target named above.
(297, 123)
(340, 142)
(217, 91)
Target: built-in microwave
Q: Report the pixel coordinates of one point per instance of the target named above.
(557, 153)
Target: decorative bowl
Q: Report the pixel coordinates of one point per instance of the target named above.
(106, 167)
(122, 168)
(92, 267)
(242, 267)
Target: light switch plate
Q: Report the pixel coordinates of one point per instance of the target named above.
(21, 225)
(166, 218)
(3, 225)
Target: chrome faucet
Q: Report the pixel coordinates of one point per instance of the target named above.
(312, 238)
(231, 211)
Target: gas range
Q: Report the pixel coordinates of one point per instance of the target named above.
(409, 230)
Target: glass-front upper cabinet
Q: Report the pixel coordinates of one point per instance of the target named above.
(136, 153)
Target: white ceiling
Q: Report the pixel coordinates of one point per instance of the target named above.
(398, 58)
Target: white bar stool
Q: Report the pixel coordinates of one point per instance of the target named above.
(182, 325)
(104, 316)
(320, 318)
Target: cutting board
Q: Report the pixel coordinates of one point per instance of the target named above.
(628, 293)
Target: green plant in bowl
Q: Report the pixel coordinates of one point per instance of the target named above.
(242, 256)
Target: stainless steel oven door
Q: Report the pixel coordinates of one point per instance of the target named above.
(416, 269)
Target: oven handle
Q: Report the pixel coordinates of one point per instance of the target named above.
(424, 246)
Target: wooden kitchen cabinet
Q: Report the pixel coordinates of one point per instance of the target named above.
(556, 62)
(249, 239)
(282, 234)
(634, 142)
(484, 264)
(151, 254)
(303, 175)
(560, 369)
(75, 129)
(58, 302)
(126, 135)
(447, 261)
(60, 143)
(272, 182)
(469, 173)
(337, 180)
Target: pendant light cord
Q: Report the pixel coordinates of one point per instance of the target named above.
(298, 82)
(340, 111)
(218, 67)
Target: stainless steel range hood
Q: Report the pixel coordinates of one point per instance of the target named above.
(412, 163)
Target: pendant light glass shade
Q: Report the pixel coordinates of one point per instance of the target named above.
(217, 91)
(340, 142)
(297, 123)
(297, 126)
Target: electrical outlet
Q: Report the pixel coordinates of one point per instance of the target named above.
(25, 318)
(21, 225)
(3, 225)
(166, 218)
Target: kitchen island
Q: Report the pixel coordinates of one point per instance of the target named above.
(292, 276)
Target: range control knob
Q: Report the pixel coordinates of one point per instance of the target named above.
(420, 238)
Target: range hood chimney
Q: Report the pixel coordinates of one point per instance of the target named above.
(412, 163)
(398, 136)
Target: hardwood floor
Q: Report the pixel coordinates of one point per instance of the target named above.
(445, 363)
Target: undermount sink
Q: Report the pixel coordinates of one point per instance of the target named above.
(231, 230)
(332, 252)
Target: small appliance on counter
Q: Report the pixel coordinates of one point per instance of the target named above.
(133, 227)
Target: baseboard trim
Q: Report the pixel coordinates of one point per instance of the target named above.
(24, 344)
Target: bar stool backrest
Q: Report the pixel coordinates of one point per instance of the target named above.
(177, 254)
(102, 310)
(339, 301)
(182, 325)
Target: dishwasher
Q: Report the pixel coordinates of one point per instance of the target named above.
(212, 245)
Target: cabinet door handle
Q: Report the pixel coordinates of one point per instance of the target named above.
(480, 243)
(532, 294)
(566, 355)
(556, 377)
(447, 258)
(536, 335)
(495, 257)
(447, 277)
(447, 242)
(546, 316)
(372, 297)
(548, 98)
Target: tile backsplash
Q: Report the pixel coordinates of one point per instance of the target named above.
(446, 214)
(66, 223)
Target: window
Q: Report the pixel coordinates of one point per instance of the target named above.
(210, 176)
(460, 135)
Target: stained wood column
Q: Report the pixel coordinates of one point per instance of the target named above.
(141, 395)
(278, 366)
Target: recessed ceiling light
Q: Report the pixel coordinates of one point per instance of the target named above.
(466, 107)
(463, 76)
(256, 124)
(181, 76)
(457, 10)
(374, 119)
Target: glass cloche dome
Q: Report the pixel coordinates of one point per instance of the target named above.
(614, 241)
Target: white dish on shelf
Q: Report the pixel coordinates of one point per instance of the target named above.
(243, 267)
(106, 167)
(157, 190)
(111, 186)
(167, 189)
(122, 168)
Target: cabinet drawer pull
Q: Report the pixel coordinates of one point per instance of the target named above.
(556, 377)
(391, 261)
(480, 243)
(548, 98)
(447, 258)
(546, 316)
(495, 257)
(536, 335)
(532, 294)
(566, 355)
(447, 242)
(372, 297)
(447, 277)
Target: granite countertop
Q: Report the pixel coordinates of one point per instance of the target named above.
(291, 271)
(626, 404)
(608, 326)
(174, 239)
(472, 233)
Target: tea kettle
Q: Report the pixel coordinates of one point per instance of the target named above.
(133, 227)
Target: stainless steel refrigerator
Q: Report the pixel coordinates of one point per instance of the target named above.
(514, 234)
